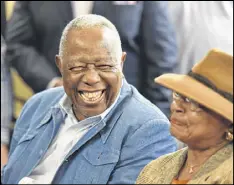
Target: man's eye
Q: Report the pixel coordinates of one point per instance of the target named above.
(104, 67)
(74, 69)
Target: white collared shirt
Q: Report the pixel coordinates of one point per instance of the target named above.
(68, 135)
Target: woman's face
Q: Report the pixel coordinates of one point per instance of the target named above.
(194, 125)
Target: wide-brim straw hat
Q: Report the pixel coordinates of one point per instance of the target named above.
(216, 70)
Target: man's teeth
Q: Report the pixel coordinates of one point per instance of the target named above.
(88, 96)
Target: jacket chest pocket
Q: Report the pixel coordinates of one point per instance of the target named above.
(97, 165)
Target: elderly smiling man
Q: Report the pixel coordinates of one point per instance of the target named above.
(97, 129)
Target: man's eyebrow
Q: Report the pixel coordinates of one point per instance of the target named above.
(72, 63)
(100, 58)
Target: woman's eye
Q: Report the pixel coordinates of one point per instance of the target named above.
(188, 100)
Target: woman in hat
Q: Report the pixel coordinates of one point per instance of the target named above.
(202, 118)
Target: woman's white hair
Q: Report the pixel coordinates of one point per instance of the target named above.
(94, 21)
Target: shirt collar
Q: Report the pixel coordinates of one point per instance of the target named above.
(66, 104)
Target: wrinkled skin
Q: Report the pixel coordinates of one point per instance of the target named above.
(87, 67)
(198, 129)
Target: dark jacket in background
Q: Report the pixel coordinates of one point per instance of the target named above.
(3, 18)
(35, 29)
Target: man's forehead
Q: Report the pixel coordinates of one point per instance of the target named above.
(82, 46)
(91, 34)
(85, 41)
(84, 57)
(94, 33)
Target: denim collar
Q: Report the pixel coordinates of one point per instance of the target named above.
(125, 88)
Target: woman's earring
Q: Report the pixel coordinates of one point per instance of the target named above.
(229, 136)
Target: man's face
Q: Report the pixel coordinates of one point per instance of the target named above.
(91, 77)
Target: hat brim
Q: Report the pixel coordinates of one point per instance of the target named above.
(198, 92)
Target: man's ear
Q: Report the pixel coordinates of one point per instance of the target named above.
(123, 58)
(58, 62)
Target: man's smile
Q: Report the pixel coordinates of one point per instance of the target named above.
(91, 97)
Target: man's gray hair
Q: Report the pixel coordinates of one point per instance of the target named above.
(94, 21)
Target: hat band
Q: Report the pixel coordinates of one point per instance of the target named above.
(209, 84)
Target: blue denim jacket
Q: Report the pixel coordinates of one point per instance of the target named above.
(114, 151)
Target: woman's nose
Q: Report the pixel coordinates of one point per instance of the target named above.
(176, 107)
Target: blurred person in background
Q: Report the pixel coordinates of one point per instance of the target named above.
(200, 26)
(3, 19)
(147, 36)
(6, 94)
(6, 105)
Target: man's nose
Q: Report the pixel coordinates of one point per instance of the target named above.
(176, 107)
(91, 77)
